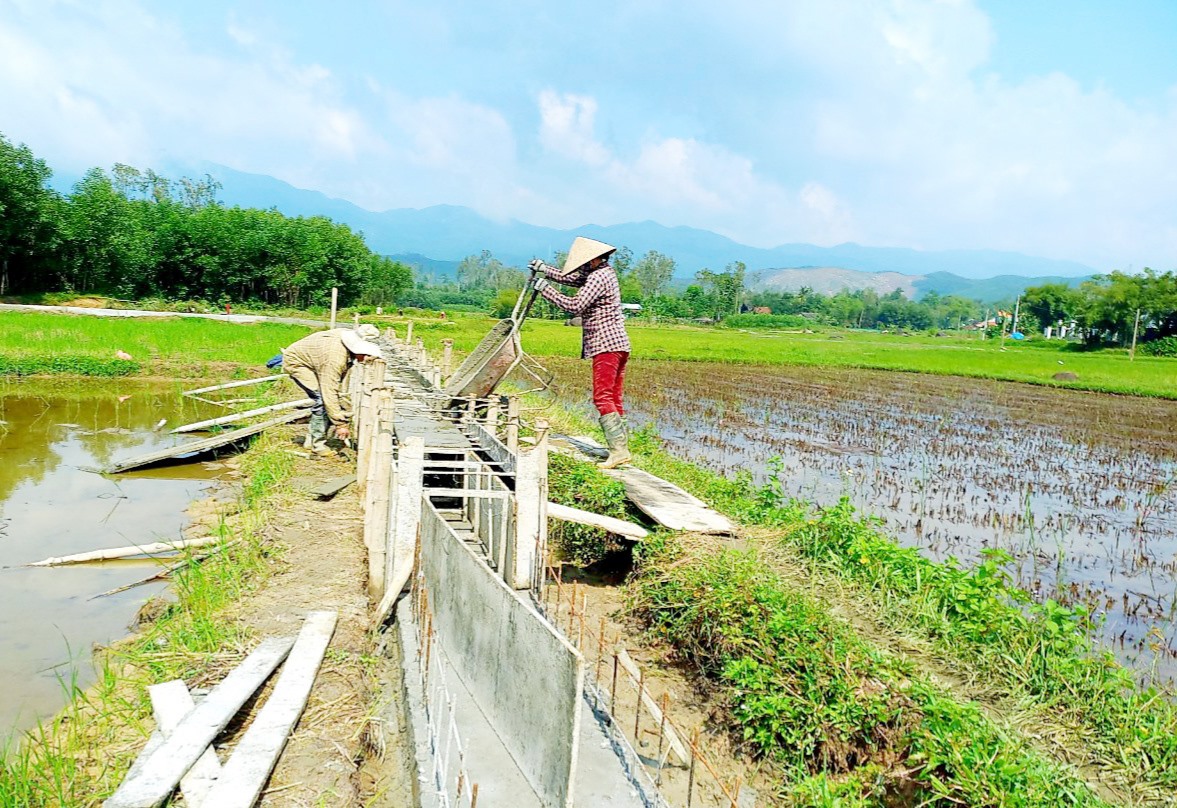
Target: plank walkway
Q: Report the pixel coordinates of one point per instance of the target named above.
(195, 447)
(664, 502)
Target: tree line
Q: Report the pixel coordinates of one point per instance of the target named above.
(135, 234)
(1109, 308)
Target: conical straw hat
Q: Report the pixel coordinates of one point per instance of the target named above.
(358, 345)
(584, 250)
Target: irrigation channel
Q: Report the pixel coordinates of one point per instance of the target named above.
(1079, 488)
(50, 505)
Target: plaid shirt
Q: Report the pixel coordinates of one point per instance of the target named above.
(598, 304)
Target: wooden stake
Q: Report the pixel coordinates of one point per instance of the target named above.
(334, 304)
(227, 385)
(1135, 327)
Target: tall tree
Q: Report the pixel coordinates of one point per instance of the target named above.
(28, 216)
(726, 288)
(653, 272)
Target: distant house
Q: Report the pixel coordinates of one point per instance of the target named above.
(762, 310)
(631, 308)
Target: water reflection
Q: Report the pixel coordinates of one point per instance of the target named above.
(51, 505)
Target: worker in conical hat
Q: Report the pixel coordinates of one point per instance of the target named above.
(598, 304)
(318, 364)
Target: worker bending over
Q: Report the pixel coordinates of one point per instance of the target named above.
(598, 304)
(319, 364)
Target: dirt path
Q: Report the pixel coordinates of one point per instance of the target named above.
(324, 566)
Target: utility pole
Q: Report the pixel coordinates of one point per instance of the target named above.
(1135, 327)
(1017, 307)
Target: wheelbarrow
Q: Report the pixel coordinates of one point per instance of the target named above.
(499, 353)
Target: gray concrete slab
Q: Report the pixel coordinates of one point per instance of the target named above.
(524, 676)
(606, 772)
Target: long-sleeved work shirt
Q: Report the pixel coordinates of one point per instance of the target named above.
(320, 362)
(598, 304)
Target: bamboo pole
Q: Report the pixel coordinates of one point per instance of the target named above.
(513, 424)
(227, 385)
(334, 304)
(236, 417)
(125, 552)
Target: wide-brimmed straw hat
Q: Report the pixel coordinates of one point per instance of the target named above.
(368, 331)
(358, 345)
(584, 250)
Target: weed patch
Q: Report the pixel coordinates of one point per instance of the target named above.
(808, 694)
(579, 484)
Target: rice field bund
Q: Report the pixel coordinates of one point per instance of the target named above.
(1077, 487)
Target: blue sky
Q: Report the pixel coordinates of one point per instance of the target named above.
(1043, 127)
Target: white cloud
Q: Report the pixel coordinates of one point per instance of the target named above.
(878, 121)
(566, 127)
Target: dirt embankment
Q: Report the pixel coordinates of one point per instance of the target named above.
(324, 566)
(333, 757)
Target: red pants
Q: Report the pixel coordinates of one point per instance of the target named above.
(608, 377)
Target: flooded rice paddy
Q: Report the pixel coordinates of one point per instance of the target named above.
(51, 506)
(1080, 488)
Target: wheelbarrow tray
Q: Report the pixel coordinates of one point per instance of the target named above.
(488, 364)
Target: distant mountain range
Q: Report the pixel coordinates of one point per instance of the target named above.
(830, 280)
(435, 239)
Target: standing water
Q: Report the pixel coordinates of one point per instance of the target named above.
(51, 505)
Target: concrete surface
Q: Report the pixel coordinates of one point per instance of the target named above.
(525, 678)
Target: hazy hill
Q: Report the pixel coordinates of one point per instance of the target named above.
(830, 280)
(444, 234)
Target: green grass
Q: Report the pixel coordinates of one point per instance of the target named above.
(580, 484)
(1032, 361)
(808, 694)
(79, 757)
(82, 344)
(35, 342)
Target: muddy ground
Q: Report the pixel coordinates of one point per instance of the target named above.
(337, 754)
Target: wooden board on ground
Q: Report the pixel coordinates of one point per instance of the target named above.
(669, 505)
(329, 488)
(196, 447)
(664, 502)
(243, 777)
(149, 784)
(618, 526)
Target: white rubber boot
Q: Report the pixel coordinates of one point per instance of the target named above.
(618, 441)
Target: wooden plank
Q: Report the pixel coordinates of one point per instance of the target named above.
(170, 702)
(329, 488)
(241, 416)
(634, 673)
(664, 502)
(245, 774)
(203, 445)
(486, 440)
(125, 552)
(161, 772)
(669, 505)
(618, 526)
(227, 385)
